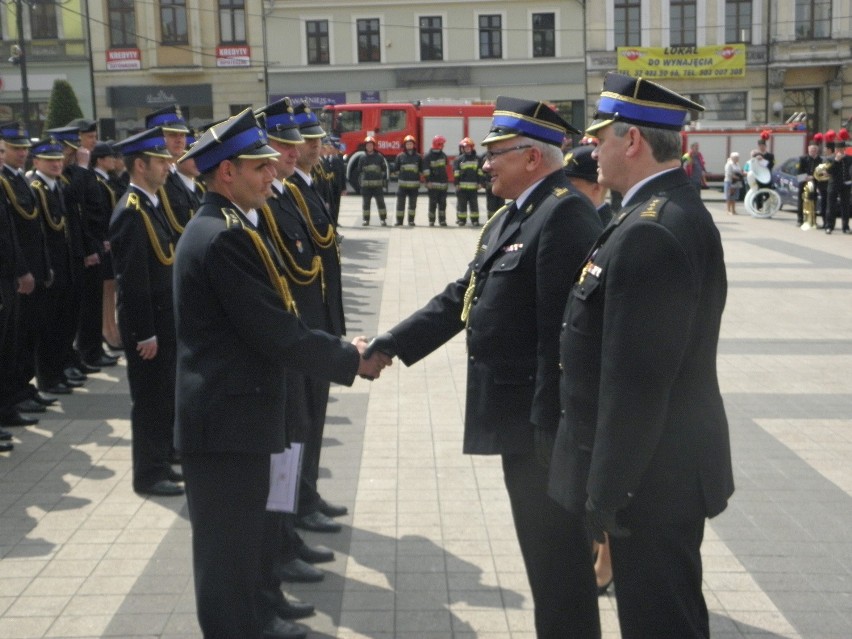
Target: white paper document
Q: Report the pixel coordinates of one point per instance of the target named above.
(284, 471)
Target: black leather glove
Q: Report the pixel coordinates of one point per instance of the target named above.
(543, 440)
(600, 521)
(384, 343)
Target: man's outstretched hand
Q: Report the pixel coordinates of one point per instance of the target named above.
(371, 364)
(384, 343)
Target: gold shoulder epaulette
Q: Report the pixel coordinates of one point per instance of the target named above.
(560, 191)
(652, 211)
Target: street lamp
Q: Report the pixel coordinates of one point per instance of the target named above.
(19, 57)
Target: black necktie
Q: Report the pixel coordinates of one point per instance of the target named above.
(508, 217)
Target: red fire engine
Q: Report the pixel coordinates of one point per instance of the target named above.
(389, 123)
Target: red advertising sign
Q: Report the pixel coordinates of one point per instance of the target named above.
(233, 56)
(123, 59)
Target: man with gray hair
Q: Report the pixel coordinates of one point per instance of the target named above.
(509, 303)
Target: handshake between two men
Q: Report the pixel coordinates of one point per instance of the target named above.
(376, 355)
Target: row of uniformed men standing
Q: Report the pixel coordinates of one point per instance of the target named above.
(293, 229)
(54, 262)
(410, 169)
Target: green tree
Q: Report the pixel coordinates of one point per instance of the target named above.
(63, 105)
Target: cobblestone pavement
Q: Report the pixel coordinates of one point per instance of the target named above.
(428, 550)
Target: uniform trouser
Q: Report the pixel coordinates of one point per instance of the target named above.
(822, 189)
(404, 195)
(556, 552)
(226, 496)
(8, 342)
(56, 333)
(72, 358)
(838, 202)
(152, 393)
(369, 193)
(467, 198)
(316, 402)
(657, 572)
(89, 332)
(30, 330)
(438, 202)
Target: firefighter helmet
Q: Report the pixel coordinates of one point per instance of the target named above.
(466, 142)
(438, 142)
(369, 140)
(409, 138)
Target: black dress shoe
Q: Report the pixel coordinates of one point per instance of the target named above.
(174, 475)
(277, 628)
(163, 488)
(332, 510)
(317, 522)
(298, 571)
(44, 401)
(5, 435)
(73, 383)
(315, 554)
(30, 406)
(5, 447)
(294, 610)
(828, 231)
(88, 368)
(75, 374)
(14, 418)
(60, 388)
(104, 361)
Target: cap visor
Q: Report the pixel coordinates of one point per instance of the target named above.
(597, 125)
(498, 136)
(259, 153)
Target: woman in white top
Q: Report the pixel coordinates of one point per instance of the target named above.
(733, 182)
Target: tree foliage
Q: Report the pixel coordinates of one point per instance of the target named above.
(63, 105)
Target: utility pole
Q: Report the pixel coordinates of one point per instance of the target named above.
(20, 57)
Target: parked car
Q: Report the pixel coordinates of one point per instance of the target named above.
(786, 182)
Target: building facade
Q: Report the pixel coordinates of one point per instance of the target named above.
(388, 51)
(207, 57)
(56, 48)
(798, 55)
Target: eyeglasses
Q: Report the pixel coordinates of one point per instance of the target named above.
(490, 155)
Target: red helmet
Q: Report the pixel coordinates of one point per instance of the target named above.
(466, 142)
(409, 138)
(369, 139)
(438, 142)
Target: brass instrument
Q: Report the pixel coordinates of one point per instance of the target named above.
(821, 172)
(809, 200)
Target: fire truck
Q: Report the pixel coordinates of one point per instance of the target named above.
(716, 144)
(390, 122)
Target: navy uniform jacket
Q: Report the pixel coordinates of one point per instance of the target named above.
(295, 236)
(522, 283)
(62, 233)
(143, 280)
(330, 254)
(21, 203)
(178, 199)
(236, 341)
(644, 428)
(85, 207)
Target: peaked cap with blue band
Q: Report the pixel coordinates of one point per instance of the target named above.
(516, 116)
(69, 135)
(15, 134)
(150, 142)
(308, 124)
(168, 118)
(279, 120)
(640, 102)
(237, 137)
(47, 149)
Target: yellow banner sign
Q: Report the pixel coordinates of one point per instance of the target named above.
(666, 63)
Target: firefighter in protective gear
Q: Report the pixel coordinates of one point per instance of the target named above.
(437, 182)
(467, 177)
(407, 169)
(372, 180)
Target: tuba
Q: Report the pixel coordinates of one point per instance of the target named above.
(821, 172)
